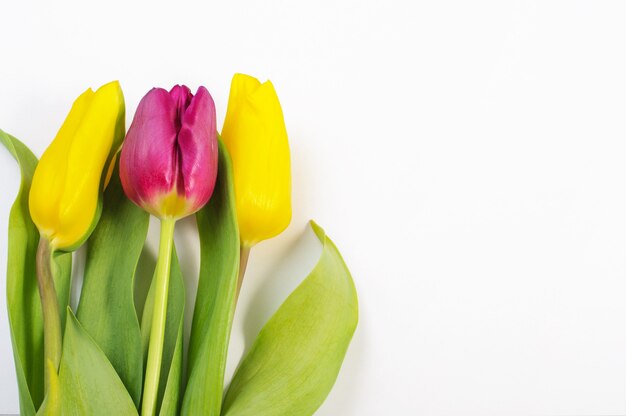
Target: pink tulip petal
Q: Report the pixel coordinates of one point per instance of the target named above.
(197, 142)
(182, 96)
(148, 164)
(171, 146)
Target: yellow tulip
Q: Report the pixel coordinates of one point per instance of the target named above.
(65, 195)
(255, 135)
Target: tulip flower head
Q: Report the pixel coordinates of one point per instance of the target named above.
(168, 164)
(254, 133)
(65, 195)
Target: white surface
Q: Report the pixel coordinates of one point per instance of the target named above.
(468, 158)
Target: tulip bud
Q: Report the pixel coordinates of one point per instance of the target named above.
(254, 133)
(65, 195)
(168, 163)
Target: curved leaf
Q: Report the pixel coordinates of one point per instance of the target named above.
(215, 300)
(296, 357)
(88, 383)
(107, 309)
(23, 301)
(168, 399)
(25, 315)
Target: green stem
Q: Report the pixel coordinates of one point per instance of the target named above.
(244, 254)
(159, 313)
(52, 337)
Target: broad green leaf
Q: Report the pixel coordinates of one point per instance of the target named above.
(215, 300)
(168, 399)
(296, 357)
(23, 303)
(87, 382)
(106, 309)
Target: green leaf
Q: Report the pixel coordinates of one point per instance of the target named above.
(88, 383)
(23, 303)
(296, 357)
(106, 309)
(168, 399)
(215, 300)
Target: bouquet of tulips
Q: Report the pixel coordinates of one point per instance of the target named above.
(97, 184)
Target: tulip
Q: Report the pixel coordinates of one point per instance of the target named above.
(168, 164)
(65, 197)
(168, 167)
(255, 135)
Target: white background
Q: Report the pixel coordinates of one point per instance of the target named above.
(468, 158)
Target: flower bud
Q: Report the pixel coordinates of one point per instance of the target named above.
(254, 133)
(65, 195)
(168, 163)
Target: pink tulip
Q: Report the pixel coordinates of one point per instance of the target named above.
(168, 164)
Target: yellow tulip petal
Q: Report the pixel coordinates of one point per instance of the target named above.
(67, 183)
(110, 170)
(240, 87)
(86, 161)
(49, 177)
(256, 137)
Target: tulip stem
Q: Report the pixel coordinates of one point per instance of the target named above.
(159, 313)
(244, 254)
(52, 338)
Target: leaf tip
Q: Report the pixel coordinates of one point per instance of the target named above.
(319, 231)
